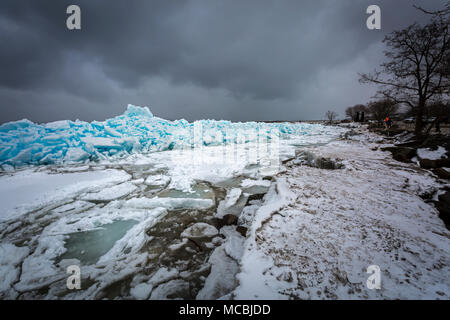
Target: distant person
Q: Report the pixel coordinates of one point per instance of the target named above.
(357, 117)
(362, 116)
(438, 126)
(388, 123)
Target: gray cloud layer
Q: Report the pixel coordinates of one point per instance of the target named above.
(237, 60)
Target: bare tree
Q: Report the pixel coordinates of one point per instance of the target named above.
(381, 109)
(331, 116)
(439, 13)
(350, 113)
(417, 69)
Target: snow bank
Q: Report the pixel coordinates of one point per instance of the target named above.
(317, 231)
(137, 130)
(426, 153)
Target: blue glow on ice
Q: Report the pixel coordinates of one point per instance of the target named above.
(137, 130)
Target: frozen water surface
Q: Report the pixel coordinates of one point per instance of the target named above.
(136, 131)
(122, 199)
(89, 246)
(29, 189)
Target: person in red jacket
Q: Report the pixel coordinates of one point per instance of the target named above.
(387, 123)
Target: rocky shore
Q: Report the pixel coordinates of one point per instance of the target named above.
(430, 153)
(338, 209)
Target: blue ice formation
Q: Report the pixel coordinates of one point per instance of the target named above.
(137, 130)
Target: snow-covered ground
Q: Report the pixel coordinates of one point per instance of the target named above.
(319, 230)
(424, 153)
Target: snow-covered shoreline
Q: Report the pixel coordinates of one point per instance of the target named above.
(319, 230)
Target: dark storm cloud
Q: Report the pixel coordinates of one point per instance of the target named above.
(231, 59)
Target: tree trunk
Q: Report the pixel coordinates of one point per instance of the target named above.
(419, 123)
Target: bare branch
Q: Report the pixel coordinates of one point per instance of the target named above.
(417, 67)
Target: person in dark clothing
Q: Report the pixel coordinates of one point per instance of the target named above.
(389, 123)
(438, 126)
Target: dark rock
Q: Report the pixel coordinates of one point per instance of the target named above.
(324, 163)
(428, 164)
(428, 195)
(253, 197)
(443, 162)
(443, 206)
(242, 230)
(434, 141)
(444, 214)
(199, 247)
(402, 154)
(445, 198)
(416, 143)
(433, 164)
(442, 173)
(218, 223)
(229, 219)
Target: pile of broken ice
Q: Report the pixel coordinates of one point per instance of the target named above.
(137, 130)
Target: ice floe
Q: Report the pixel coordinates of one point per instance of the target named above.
(169, 203)
(137, 130)
(112, 193)
(29, 190)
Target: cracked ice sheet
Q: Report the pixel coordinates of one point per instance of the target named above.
(208, 164)
(224, 263)
(169, 203)
(39, 270)
(319, 230)
(10, 257)
(29, 190)
(135, 131)
(112, 193)
(213, 163)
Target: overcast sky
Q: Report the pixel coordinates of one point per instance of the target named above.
(229, 59)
